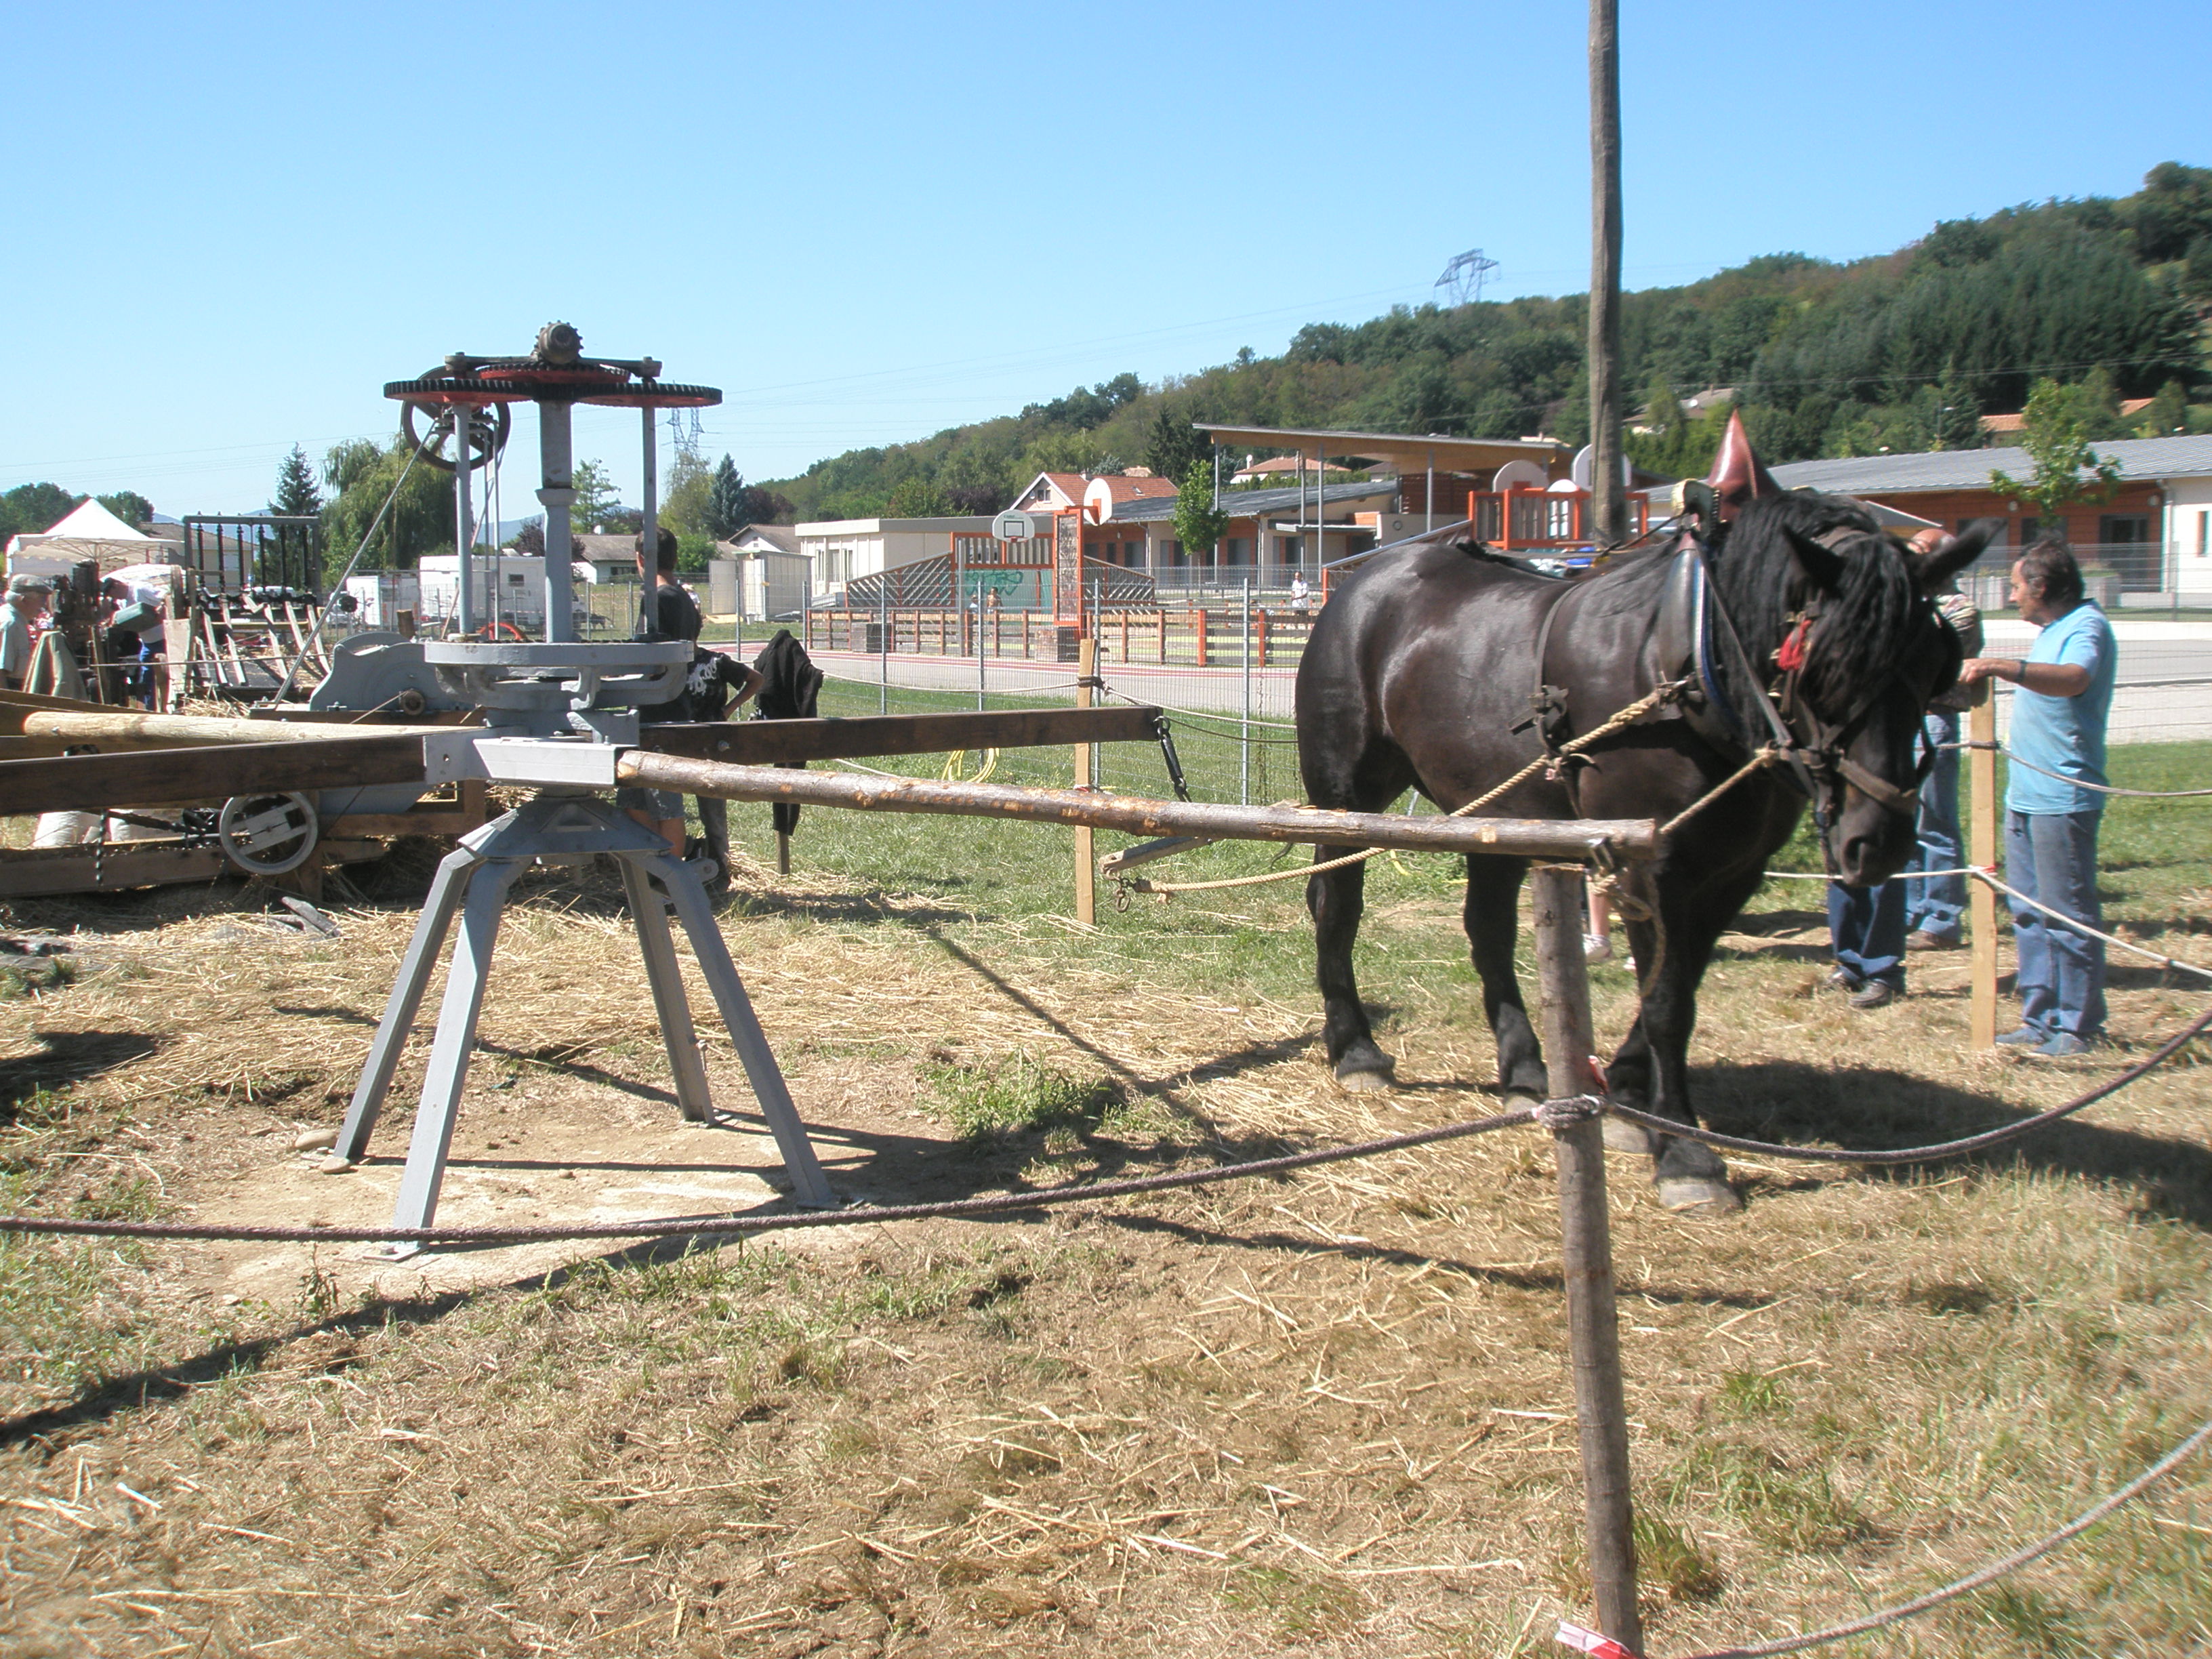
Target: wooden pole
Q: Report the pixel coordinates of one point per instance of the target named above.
(1086, 872)
(119, 728)
(1586, 1256)
(1609, 499)
(1139, 814)
(1982, 853)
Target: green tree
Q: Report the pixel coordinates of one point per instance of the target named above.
(916, 498)
(29, 509)
(1199, 524)
(129, 506)
(367, 475)
(1174, 445)
(2168, 413)
(1955, 418)
(2067, 469)
(727, 505)
(685, 495)
(595, 494)
(296, 493)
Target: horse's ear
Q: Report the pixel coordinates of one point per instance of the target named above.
(1819, 566)
(1930, 571)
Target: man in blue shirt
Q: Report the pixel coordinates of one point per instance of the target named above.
(2058, 720)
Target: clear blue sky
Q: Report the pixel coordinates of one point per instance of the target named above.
(866, 222)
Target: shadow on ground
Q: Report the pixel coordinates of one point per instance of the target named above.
(1881, 1109)
(66, 1058)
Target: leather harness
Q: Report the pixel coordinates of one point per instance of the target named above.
(1693, 631)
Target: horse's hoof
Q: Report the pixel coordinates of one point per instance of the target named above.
(1622, 1136)
(1364, 1077)
(1704, 1193)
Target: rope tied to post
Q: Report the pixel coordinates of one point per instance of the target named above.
(1560, 1115)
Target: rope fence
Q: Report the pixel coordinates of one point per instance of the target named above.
(1989, 878)
(1550, 1115)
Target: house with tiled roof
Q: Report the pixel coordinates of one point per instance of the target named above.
(2152, 531)
(2010, 426)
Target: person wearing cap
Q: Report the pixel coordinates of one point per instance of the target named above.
(28, 599)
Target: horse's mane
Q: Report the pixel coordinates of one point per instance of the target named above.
(1866, 626)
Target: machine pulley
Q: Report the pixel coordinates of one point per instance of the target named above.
(486, 428)
(267, 834)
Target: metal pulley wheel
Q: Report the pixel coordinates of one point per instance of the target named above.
(267, 834)
(486, 429)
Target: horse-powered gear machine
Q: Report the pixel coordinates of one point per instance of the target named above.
(556, 712)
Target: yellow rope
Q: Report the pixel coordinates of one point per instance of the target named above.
(950, 772)
(1767, 757)
(1549, 762)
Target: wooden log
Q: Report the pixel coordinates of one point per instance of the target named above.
(117, 728)
(759, 742)
(1561, 838)
(1586, 1255)
(82, 783)
(1982, 902)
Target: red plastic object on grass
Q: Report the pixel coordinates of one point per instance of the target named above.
(1589, 1641)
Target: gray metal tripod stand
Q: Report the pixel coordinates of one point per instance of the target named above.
(472, 882)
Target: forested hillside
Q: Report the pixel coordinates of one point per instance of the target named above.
(1902, 351)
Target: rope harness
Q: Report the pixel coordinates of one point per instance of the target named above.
(1816, 758)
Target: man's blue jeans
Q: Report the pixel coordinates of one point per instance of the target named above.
(1866, 931)
(2052, 856)
(1934, 907)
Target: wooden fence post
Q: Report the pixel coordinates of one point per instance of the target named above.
(1982, 845)
(1586, 1255)
(1086, 872)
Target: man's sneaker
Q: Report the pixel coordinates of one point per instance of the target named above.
(1874, 993)
(2022, 1036)
(1842, 979)
(2063, 1045)
(1597, 947)
(1921, 939)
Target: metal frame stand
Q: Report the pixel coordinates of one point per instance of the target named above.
(472, 882)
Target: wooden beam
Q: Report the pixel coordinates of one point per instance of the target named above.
(14, 703)
(757, 743)
(1982, 902)
(80, 783)
(38, 872)
(119, 728)
(1560, 838)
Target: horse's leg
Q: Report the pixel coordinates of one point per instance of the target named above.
(1494, 892)
(1336, 898)
(1651, 1071)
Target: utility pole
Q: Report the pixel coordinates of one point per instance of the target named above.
(1608, 497)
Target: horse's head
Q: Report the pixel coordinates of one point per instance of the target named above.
(1862, 651)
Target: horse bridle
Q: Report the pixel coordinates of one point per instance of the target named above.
(1820, 764)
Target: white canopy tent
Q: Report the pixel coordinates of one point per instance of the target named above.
(88, 532)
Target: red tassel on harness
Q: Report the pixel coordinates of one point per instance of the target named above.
(1792, 656)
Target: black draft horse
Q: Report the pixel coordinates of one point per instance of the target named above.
(1422, 672)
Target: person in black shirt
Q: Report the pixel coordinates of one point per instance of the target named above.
(675, 616)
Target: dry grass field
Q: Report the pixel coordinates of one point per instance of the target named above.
(1326, 1415)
